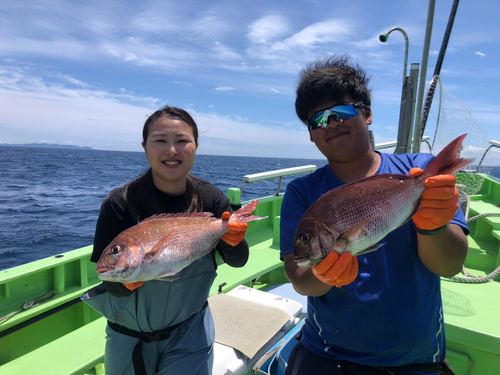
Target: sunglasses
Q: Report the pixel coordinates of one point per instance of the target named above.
(339, 114)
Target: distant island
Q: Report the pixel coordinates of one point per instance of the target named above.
(45, 145)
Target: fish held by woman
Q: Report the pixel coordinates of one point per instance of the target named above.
(354, 217)
(161, 246)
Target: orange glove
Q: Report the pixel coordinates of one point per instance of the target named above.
(336, 270)
(439, 201)
(132, 286)
(237, 232)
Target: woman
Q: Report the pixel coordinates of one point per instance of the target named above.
(161, 327)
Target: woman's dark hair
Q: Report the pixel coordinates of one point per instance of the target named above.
(141, 193)
(331, 78)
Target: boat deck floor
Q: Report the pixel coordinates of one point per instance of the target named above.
(470, 313)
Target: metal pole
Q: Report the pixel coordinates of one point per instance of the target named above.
(405, 122)
(439, 63)
(423, 74)
(383, 38)
(407, 112)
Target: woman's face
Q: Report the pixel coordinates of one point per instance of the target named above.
(171, 149)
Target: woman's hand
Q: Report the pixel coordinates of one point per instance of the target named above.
(133, 286)
(237, 231)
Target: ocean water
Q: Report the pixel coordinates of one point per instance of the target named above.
(50, 198)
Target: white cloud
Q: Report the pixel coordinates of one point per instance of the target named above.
(289, 55)
(480, 54)
(183, 83)
(218, 137)
(223, 52)
(268, 28)
(209, 26)
(225, 88)
(333, 30)
(72, 80)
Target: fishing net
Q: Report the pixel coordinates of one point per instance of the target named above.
(449, 118)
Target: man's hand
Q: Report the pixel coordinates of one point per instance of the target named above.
(439, 201)
(336, 270)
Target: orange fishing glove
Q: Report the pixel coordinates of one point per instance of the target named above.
(439, 201)
(132, 286)
(237, 232)
(336, 270)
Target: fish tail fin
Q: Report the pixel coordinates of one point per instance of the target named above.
(244, 214)
(446, 162)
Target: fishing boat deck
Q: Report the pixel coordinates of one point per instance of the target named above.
(64, 335)
(74, 338)
(470, 312)
(74, 353)
(472, 324)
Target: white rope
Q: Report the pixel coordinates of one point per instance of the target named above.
(473, 279)
(30, 305)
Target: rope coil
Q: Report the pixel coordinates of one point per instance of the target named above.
(473, 279)
(29, 305)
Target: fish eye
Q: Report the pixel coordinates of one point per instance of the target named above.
(116, 249)
(305, 238)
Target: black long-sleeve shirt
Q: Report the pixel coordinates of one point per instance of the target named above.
(116, 216)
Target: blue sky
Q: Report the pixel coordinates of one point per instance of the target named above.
(88, 73)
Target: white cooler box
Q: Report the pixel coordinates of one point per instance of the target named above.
(248, 322)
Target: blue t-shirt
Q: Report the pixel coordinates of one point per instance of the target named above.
(392, 313)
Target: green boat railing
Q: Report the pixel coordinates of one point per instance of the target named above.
(43, 332)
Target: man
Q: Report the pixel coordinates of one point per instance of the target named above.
(385, 313)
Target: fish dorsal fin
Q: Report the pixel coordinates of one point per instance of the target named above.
(181, 214)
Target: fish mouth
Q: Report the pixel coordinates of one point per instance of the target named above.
(304, 261)
(103, 269)
(104, 276)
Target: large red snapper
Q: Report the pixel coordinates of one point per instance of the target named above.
(162, 245)
(354, 217)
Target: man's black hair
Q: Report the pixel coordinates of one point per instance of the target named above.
(331, 78)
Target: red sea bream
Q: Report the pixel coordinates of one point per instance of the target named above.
(162, 245)
(355, 217)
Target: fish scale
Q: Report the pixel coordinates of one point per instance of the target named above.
(354, 217)
(161, 246)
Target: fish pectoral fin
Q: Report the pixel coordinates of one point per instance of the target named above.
(156, 249)
(370, 249)
(169, 276)
(353, 233)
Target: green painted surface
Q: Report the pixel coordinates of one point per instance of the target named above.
(72, 340)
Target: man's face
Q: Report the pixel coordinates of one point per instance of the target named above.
(342, 141)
